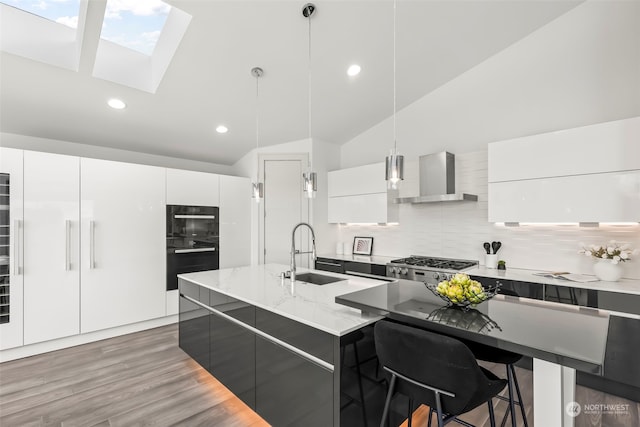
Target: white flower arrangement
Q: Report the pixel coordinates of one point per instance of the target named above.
(615, 251)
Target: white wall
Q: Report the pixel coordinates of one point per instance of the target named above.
(582, 68)
(93, 151)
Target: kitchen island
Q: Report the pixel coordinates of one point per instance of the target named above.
(278, 346)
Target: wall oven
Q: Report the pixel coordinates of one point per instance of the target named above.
(192, 240)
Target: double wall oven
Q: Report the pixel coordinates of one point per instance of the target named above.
(192, 240)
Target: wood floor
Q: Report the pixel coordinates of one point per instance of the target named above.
(145, 379)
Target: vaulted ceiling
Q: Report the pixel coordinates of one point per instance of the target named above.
(208, 80)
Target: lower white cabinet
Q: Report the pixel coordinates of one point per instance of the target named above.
(235, 221)
(123, 244)
(51, 246)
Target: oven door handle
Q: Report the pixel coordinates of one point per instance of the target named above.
(189, 251)
(194, 216)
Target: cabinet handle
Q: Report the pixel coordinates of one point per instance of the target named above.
(67, 242)
(329, 263)
(309, 357)
(92, 245)
(16, 247)
(188, 251)
(194, 216)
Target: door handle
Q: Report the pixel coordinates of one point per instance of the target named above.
(16, 247)
(92, 245)
(67, 243)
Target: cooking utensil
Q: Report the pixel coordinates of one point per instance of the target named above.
(487, 247)
(496, 247)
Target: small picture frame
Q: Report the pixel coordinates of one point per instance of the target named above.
(362, 245)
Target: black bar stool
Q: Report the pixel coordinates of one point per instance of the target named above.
(352, 339)
(509, 359)
(434, 369)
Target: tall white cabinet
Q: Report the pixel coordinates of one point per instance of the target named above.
(123, 241)
(51, 246)
(11, 260)
(235, 221)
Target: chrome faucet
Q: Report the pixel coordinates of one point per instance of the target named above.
(294, 252)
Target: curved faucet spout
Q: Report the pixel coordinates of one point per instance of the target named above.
(293, 248)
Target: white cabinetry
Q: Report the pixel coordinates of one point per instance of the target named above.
(586, 174)
(359, 195)
(11, 256)
(51, 246)
(123, 241)
(235, 221)
(192, 188)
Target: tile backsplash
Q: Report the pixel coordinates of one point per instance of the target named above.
(458, 229)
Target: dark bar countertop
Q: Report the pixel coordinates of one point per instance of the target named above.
(589, 340)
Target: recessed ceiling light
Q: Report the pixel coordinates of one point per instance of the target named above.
(353, 70)
(116, 104)
(222, 129)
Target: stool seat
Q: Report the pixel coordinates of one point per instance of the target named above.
(434, 369)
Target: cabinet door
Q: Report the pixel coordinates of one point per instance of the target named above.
(11, 244)
(193, 327)
(123, 244)
(235, 221)
(192, 188)
(233, 350)
(51, 246)
(290, 390)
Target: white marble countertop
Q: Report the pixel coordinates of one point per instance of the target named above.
(373, 259)
(624, 286)
(312, 305)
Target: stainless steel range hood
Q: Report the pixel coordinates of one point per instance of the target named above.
(437, 181)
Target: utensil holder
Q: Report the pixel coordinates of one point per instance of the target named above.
(491, 261)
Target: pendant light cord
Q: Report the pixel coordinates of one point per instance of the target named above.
(395, 145)
(257, 127)
(309, 76)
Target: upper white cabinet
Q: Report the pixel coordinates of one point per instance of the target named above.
(359, 195)
(586, 174)
(11, 245)
(192, 188)
(235, 221)
(123, 244)
(51, 246)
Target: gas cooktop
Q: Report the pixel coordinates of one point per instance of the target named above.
(427, 269)
(431, 262)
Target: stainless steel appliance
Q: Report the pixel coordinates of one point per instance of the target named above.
(192, 240)
(430, 270)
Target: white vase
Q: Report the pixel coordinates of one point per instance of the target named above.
(606, 271)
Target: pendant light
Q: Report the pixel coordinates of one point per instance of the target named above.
(310, 185)
(394, 170)
(257, 190)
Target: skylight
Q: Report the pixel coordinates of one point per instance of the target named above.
(134, 24)
(61, 11)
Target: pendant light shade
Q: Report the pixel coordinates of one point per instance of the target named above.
(257, 188)
(394, 172)
(309, 178)
(394, 163)
(310, 184)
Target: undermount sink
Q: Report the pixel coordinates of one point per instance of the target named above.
(316, 279)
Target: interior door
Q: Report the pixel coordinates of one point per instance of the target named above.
(284, 207)
(123, 257)
(11, 244)
(51, 246)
